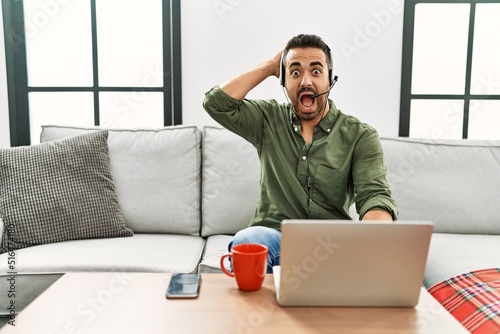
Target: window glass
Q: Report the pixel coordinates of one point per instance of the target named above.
(59, 108)
(129, 37)
(484, 119)
(131, 109)
(436, 119)
(58, 43)
(485, 77)
(440, 48)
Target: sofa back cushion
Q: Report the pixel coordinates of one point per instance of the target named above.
(453, 183)
(156, 175)
(230, 186)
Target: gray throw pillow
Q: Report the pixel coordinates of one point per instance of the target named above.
(58, 191)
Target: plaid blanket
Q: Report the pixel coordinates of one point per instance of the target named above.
(473, 299)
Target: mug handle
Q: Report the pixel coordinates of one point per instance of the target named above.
(224, 270)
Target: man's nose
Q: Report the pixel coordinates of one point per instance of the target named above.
(306, 81)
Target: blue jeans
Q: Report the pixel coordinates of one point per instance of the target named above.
(261, 235)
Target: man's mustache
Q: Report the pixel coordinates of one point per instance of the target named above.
(306, 89)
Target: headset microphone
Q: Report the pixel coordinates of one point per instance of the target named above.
(329, 89)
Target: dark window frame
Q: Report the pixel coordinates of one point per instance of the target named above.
(17, 76)
(407, 63)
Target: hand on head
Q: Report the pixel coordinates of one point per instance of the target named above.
(276, 63)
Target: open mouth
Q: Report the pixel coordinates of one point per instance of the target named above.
(306, 101)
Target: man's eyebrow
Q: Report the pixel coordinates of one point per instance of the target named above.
(313, 63)
(316, 63)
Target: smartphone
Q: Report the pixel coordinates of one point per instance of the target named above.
(184, 286)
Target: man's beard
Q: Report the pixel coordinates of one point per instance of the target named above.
(320, 106)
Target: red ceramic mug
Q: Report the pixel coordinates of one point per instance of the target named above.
(249, 262)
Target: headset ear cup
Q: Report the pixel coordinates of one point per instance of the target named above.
(330, 75)
(282, 70)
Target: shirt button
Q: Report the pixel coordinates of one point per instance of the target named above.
(304, 157)
(296, 129)
(327, 130)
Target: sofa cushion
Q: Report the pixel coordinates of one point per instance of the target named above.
(231, 172)
(455, 254)
(139, 253)
(57, 191)
(156, 173)
(453, 183)
(216, 246)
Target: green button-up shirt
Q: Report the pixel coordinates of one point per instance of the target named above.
(343, 164)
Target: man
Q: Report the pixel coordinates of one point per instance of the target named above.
(315, 160)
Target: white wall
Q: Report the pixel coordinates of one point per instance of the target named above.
(221, 38)
(4, 108)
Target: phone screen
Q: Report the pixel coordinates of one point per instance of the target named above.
(183, 286)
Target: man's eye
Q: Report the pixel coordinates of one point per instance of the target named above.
(316, 72)
(295, 73)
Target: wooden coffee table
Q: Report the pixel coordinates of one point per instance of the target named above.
(136, 303)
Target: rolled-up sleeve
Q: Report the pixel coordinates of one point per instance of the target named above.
(370, 177)
(245, 118)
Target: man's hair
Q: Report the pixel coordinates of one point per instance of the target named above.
(309, 41)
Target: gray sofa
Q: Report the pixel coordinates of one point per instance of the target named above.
(456, 185)
(185, 190)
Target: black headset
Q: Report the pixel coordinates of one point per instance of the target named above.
(331, 77)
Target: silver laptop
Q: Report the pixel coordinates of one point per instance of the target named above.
(350, 263)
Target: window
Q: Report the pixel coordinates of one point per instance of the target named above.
(450, 85)
(112, 63)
